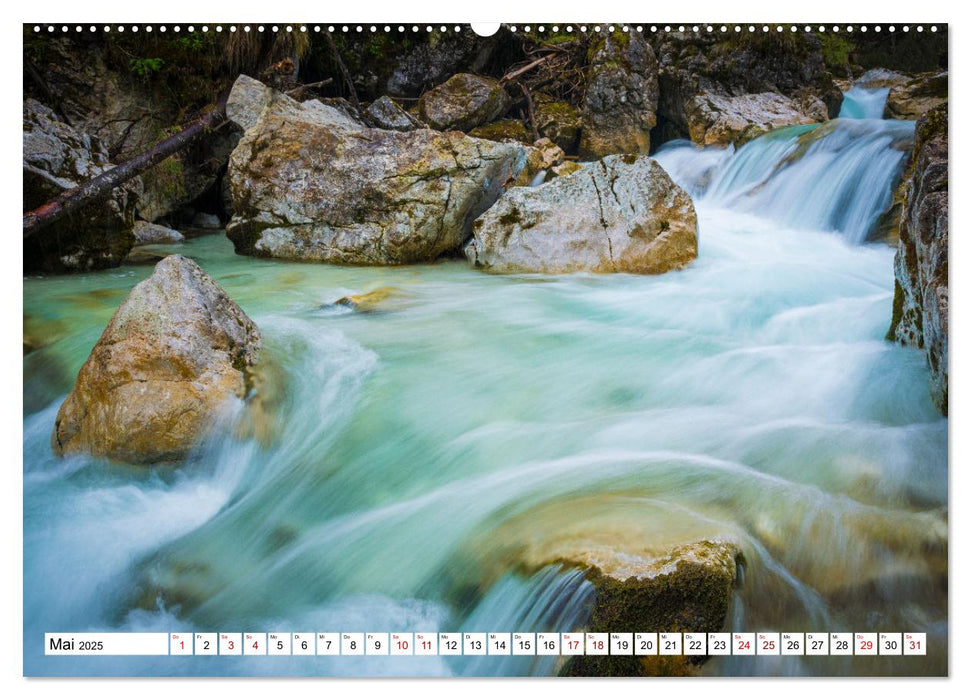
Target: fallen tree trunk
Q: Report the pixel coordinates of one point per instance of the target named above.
(100, 186)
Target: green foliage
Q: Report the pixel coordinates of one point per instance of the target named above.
(836, 49)
(144, 67)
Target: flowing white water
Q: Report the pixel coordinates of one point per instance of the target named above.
(835, 177)
(864, 103)
(750, 395)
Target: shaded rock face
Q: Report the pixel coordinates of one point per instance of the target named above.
(175, 353)
(913, 98)
(146, 233)
(920, 303)
(692, 64)
(622, 214)
(309, 183)
(463, 102)
(620, 101)
(688, 589)
(431, 62)
(127, 116)
(57, 157)
(714, 119)
(384, 113)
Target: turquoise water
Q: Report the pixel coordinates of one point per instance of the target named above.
(423, 445)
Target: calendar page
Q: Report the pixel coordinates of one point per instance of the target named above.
(550, 349)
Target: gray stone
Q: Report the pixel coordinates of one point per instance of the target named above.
(384, 113)
(309, 183)
(146, 234)
(622, 214)
(58, 157)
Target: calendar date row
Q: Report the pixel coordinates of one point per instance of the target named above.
(488, 644)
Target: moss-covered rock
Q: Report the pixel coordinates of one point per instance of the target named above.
(463, 102)
(920, 304)
(620, 100)
(557, 120)
(502, 130)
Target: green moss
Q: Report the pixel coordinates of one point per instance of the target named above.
(836, 49)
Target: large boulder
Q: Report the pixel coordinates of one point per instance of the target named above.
(920, 303)
(175, 354)
(692, 64)
(620, 101)
(916, 96)
(309, 183)
(58, 157)
(621, 214)
(714, 119)
(463, 102)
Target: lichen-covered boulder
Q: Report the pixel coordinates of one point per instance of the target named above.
(913, 98)
(384, 113)
(502, 130)
(146, 234)
(58, 157)
(721, 120)
(176, 353)
(920, 303)
(620, 101)
(309, 183)
(621, 214)
(557, 120)
(463, 102)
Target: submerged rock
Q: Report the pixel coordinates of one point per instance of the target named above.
(369, 302)
(622, 214)
(174, 354)
(920, 302)
(384, 113)
(57, 157)
(463, 102)
(146, 234)
(311, 184)
(720, 120)
(620, 101)
(687, 589)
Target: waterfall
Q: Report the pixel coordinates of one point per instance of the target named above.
(837, 177)
(864, 103)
